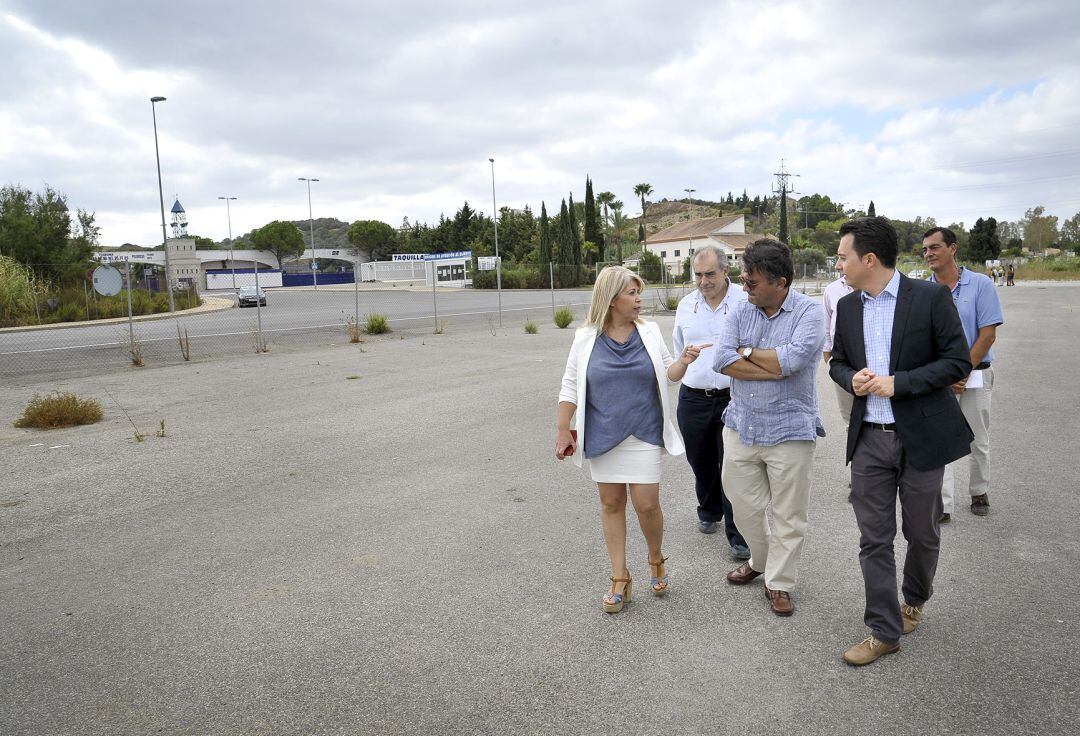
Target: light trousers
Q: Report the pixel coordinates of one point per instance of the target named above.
(844, 402)
(975, 403)
(757, 478)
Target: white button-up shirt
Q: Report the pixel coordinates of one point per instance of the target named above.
(697, 323)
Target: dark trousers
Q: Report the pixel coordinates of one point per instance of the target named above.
(702, 425)
(880, 473)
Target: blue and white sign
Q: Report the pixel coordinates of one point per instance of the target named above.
(314, 266)
(444, 256)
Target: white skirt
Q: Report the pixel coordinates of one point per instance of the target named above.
(631, 461)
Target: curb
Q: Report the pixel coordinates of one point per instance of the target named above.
(210, 304)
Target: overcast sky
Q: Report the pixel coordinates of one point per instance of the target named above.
(950, 109)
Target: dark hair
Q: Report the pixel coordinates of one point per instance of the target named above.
(946, 234)
(873, 235)
(771, 258)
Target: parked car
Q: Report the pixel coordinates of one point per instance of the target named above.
(250, 295)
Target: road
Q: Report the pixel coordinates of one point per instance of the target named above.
(291, 316)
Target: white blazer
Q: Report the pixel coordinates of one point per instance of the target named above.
(577, 366)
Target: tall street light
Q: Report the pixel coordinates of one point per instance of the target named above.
(161, 198)
(498, 261)
(232, 263)
(311, 224)
(690, 196)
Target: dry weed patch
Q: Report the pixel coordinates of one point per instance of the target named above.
(59, 409)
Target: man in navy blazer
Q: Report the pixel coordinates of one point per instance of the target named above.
(899, 347)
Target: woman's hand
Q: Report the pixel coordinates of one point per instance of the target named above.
(565, 444)
(691, 352)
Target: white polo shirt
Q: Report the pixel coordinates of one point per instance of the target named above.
(697, 323)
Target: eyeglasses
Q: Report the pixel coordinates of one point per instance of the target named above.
(750, 283)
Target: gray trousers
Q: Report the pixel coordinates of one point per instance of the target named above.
(880, 473)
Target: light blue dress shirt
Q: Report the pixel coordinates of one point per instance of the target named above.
(977, 301)
(766, 413)
(877, 325)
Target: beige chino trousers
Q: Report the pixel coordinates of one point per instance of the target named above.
(975, 403)
(757, 478)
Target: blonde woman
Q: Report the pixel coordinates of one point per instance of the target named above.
(617, 375)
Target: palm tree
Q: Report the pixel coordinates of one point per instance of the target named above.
(643, 191)
(605, 199)
(619, 226)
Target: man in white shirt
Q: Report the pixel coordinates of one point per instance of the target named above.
(834, 292)
(704, 395)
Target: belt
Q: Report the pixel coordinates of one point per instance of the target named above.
(882, 427)
(982, 366)
(712, 393)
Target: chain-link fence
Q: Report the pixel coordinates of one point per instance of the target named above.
(52, 320)
(55, 321)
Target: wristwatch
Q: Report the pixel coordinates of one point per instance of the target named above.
(747, 352)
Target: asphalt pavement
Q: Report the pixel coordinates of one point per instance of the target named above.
(376, 539)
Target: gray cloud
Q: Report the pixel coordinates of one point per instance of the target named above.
(398, 106)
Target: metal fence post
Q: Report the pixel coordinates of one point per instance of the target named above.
(131, 326)
(434, 298)
(258, 309)
(356, 295)
(86, 296)
(551, 278)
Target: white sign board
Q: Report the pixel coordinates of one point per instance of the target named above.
(107, 281)
(486, 263)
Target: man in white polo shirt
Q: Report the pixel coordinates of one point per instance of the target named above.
(834, 292)
(704, 396)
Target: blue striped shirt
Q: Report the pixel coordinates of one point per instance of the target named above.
(877, 328)
(766, 413)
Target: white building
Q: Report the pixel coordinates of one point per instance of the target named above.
(678, 242)
(445, 269)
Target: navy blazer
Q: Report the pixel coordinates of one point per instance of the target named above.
(929, 354)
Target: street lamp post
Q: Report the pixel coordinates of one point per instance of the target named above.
(232, 263)
(311, 226)
(690, 196)
(498, 261)
(161, 198)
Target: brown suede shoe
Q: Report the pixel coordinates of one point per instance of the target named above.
(742, 574)
(911, 615)
(868, 650)
(780, 601)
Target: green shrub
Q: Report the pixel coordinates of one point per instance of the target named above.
(563, 317)
(376, 324)
(671, 302)
(59, 409)
(530, 327)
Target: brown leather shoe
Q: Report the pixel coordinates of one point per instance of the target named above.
(980, 505)
(911, 615)
(742, 574)
(868, 650)
(780, 601)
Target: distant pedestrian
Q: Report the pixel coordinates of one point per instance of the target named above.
(615, 392)
(705, 393)
(1011, 276)
(898, 349)
(769, 348)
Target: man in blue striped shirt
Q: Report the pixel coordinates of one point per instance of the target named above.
(769, 348)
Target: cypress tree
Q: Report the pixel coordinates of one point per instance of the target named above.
(870, 211)
(592, 217)
(562, 234)
(544, 255)
(783, 215)
(575, 234)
